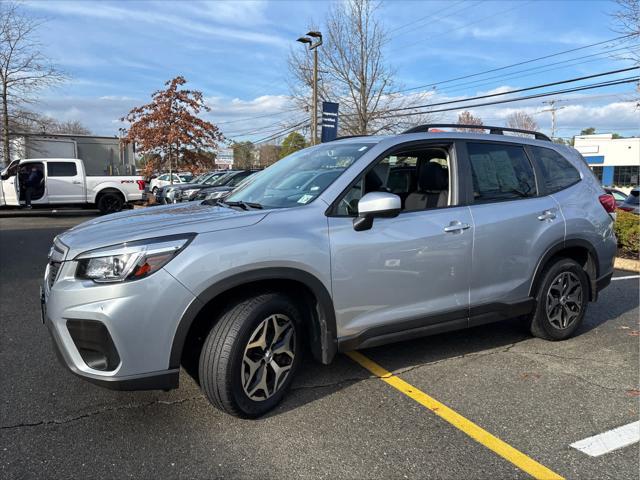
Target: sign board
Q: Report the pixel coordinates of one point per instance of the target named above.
(329, 121)
(224, 156)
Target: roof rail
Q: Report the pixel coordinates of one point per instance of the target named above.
(349, 136)
(492, 130)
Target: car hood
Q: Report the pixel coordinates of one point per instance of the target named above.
(154, 222)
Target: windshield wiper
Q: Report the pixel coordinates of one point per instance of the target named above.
(242, 205)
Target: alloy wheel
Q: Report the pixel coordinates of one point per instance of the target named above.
(268, 357)
(564, 300)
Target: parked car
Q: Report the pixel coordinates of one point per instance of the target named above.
(420, 233)
(223, 186)
(65, 182)
(632, 202)
(165, 179)
(175, 193)
(618, 196)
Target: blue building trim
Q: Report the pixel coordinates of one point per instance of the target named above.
(595, 159)
(607, 176)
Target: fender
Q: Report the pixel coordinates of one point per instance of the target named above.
(104, 185)
(568, 243)
(324, 343)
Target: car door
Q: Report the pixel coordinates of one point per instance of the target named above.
(65, 182)
(514, 227)
(405, 274)
(10, 186)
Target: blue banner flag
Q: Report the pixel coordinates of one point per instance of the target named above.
(329, 121)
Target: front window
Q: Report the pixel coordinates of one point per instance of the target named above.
(301, 177)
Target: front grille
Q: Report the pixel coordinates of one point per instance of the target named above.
(54, 267)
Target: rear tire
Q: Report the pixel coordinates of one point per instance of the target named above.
(251, 355)
(561, 300)
(110, 203)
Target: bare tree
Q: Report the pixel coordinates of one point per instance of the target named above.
(23, 68)
(627, 18)
(23, 121)
(522, 120)
(467, 118)
(352, 69)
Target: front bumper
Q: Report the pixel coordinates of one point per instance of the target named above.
(136, 324)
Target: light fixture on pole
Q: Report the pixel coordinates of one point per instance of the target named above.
(314, 42)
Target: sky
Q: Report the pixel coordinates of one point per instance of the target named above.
(116, 53)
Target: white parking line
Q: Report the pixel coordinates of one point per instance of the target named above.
(609, 441)
(628, 277)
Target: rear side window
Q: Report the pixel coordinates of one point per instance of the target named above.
(61, 169)
(500, 172)
(557, 172)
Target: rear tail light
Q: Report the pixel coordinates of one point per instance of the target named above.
(141, 184)
(608, 202)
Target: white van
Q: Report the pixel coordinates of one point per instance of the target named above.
(65, 182)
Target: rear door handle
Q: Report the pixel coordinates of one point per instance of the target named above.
(76, 183)
(547, 215)
(456, 226)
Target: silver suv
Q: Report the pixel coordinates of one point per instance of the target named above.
(416, 234)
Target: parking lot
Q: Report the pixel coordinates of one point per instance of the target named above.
(535, 398)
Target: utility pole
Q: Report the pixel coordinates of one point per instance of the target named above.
(313, 46)
(553, 109)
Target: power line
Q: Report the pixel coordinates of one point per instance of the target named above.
(227, 122)
(520, 5)
(265, 128)
(433, 16)
(440, 82)
(534, 70)
(519, 90)
(302, 124)
(527, 97)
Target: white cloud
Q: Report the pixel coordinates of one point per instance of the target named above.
(167, 19)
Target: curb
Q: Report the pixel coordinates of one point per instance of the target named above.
(627, 264)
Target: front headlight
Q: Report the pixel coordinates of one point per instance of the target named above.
(130, 260)
(192, 192)
(214, 195)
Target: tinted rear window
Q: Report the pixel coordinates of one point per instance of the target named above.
(61, 169)
(557, 172)
(500, 172)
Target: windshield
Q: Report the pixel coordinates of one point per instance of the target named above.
(220, 179)
(299, 178)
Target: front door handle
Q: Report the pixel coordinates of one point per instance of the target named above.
(547, 215)
(77, 183)
(456, 226)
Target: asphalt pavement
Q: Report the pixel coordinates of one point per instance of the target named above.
(338, 421)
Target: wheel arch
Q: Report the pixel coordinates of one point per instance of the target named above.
(309, 292)
(109, 189)
(578, 249)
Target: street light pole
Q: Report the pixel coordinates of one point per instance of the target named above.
(314, 119)
(313, 45)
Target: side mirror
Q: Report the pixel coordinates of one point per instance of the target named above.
(376, 204)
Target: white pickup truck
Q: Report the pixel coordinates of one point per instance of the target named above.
(65, 182)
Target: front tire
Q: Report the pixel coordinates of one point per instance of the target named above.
(561, 300)
(251, 354)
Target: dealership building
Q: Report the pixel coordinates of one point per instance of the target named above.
(615, 161)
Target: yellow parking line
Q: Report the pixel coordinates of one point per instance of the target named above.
(480, 435)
